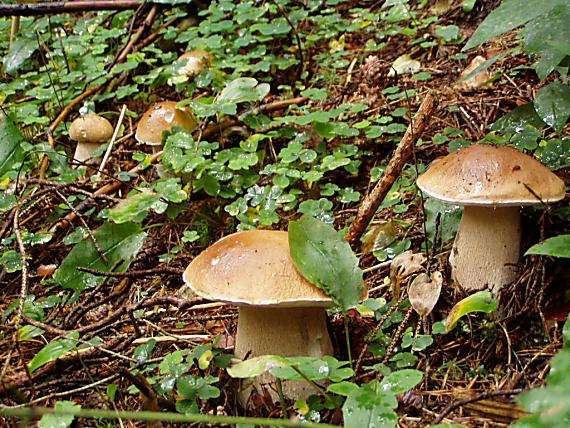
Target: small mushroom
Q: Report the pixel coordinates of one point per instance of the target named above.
(161, 117)
(195, 62)
(491, 182)
(280, 312)
(90, 131)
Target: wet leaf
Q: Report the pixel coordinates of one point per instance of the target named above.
(11, 153)
(403, 266)
(518, 119)
(369, 406)
(554, 153)
(482, 301)
(401, 381)
(424, 292)
(326, 259)
(58, 420)
(257, 366)
(52, 351)
(509, 15)
(558, 246)
(552, 104)
(20, 51)
(119, 242)
(448, 223)
(378, 237)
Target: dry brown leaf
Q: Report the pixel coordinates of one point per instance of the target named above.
(424, 293)
(403, 266)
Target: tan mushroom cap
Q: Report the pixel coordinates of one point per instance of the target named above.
(91, 128)
(252, 268)
(163, 116)
(486, 175)
(196, 61)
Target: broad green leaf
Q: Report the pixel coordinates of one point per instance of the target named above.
(552, 104)
(370, 407)
(21, 50)
(509, 15)
(27, 332)
(11, 153)
(518, 119)
(482, 301)
(401, 381)
(542, 35)
(342, 388)
(326, 259)
(566, 334)
(52, 351)
(442, 219)
(555, 153)
(257, 366)
(119, 242)
(56, 420)
(558, 246)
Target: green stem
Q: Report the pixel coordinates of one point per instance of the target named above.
(347, 336)
(32, 412)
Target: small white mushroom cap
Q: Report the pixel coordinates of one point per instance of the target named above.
(163, 116)
(90, 131)
(195, 61)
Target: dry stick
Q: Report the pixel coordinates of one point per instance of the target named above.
(112, 142)
(92, 91)
(401, 156)
(483, 396)
(31, 9)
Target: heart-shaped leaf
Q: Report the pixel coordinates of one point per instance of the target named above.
(424, 293)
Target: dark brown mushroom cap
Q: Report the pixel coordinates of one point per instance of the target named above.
(486, 175)
(252, 268)
(163, 116)
(91, 128)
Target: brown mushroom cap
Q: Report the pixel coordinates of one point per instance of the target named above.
(252, 268)
(91, 128)
(195, 62)
(486, 175)
(163, 116)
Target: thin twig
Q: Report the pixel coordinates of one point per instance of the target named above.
(34, 9)
(112, 142)
(402, 154)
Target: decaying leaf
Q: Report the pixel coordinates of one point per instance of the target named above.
(424, 292)
(404, 65)
(378, 237)
(467, 82)
(403, 266)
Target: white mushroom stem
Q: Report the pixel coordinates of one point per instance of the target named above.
(83, 151)
(289, 332)
(486, 250)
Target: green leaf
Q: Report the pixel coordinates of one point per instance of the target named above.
(342, 388)
(20, 51)
(369, 406)
(326, 259)
(555, 153)
(552, 104)
(558, 246)
(56, 420)
(509, 15)
(257, 366)
(481, 301)
(117, 241)
(401, 381)
(11, 153)
(52, 351)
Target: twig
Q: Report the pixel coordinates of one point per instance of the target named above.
(112, 142)
(32, 9)
(489, 394)
(402, 154)
(132, 274)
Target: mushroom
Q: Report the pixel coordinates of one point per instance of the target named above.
(90, 131)
(161, 117)
(196, 61)
(491, 183)
(280, 312)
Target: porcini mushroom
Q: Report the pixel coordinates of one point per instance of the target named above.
(90, 131)
(491, 182)
(193, 63)
(161, 117)
(280, 312)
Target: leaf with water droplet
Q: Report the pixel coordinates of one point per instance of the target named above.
(552, 104)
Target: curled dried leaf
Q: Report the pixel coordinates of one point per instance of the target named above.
(424, 292)
(403, 266)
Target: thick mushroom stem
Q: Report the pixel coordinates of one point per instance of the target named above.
(83, 151)
(486, 250)
(289, 332)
